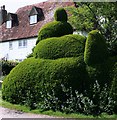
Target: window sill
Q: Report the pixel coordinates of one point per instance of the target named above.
(22, 47)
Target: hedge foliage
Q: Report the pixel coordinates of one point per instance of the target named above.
(54, 29)
(34, 79)
(60, 15)
(96, 49)
(60, 47)
(33, 76)
(102, 72)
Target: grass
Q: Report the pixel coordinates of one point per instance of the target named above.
(50, 112)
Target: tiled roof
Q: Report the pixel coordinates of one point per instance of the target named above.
(24, 29)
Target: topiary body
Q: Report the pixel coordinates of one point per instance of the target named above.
(60, 47)
(33, 76)
(102, 73)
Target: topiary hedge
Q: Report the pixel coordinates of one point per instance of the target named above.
(33, 76)
(96, 49)
(60, 47)
(54, 29)
(37, 82)
(60, 15)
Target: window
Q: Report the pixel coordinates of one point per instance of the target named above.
(9, 24)
(10, 45)
(22, 43)
(33, 19)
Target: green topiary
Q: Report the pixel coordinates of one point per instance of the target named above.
(54, 29)
(101, 73)
(60, 47)
(60, 15)
(95, 49)
(33, 76)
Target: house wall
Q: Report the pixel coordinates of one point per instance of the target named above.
(84, 33)
(16, 52)
(20, 53)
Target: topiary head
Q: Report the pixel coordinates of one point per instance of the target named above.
(60, 15)
(95, 49)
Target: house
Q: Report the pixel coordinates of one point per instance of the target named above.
(19, 31)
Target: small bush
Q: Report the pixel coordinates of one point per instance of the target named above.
(61, 47)
(76, 102)
(6, 66)
(95, 49)
(60, 15)
(54, 29)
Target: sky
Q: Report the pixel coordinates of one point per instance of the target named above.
(13, 5)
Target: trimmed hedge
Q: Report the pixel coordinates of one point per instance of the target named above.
(54, 29)
(96, 50)
(60, 47)
(102, 73)
(60, 15)
(33, 76)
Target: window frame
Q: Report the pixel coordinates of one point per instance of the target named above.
(9, 24)
(10, 45)
(22, 43)
(33, 19)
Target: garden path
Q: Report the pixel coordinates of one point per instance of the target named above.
(7, 113)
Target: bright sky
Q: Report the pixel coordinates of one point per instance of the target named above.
(13, 5)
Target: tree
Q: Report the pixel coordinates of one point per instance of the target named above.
(96, 15)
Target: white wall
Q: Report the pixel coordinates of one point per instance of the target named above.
(84, 33)
(16, 52)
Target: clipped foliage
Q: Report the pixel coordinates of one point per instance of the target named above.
(60, 47)
(95, 49)
(101, 72)
(54, 29)
(33, 76)
(60, 15)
